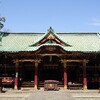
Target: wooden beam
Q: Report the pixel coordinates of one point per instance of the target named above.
(50, 54)
(71, 60)
(27, 60)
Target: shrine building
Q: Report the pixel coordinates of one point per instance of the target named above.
(73, 59)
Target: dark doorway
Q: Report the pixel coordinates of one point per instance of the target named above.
(74, 74)
(50, 69)
(27, 71)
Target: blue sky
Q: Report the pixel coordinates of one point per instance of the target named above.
(61, 15)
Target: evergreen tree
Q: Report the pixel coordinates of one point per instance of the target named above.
(2, 19)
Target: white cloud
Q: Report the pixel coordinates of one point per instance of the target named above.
(94, 22)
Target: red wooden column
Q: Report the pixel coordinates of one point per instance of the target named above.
(84, 75)
(36, 76)
(16, 75)
(65, 75)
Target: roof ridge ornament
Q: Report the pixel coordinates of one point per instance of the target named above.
(50, 30)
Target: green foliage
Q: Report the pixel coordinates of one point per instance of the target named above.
(2, 19)
(1, 37)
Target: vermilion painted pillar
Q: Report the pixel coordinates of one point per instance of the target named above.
(36, 76)
(84, 75)
(65, 75)
(16, 76)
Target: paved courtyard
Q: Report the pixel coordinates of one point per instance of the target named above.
(50, 95)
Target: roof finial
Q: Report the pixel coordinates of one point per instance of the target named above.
(50, 30)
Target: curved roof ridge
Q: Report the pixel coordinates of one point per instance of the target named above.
(50, 35)
(68, 48)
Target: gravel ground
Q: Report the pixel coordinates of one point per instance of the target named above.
(50, 95)
(86, 95)
(64, 95)
(14, 95)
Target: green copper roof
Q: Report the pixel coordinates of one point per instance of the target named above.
(85, 42)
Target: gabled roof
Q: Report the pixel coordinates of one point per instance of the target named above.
(50, 38)
(80, 42)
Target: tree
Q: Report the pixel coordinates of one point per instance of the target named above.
(2, 19)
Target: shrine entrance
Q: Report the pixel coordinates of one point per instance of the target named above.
(75, 74)
(27, 71)
(75, 77)
(50, 68)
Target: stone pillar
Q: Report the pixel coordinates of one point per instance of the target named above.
(65, 75)
(36, 76)
(84, 75)
(16, 75)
